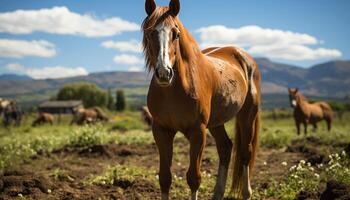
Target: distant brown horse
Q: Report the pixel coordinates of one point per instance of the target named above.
(88, 116)
(146, 115)
(309, 113)
(43, 118)
(192, 90)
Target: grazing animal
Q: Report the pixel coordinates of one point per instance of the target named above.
(12, 113)
(43, 118)
(146, 115)
(3, 104)
(192, 90)
(88, 116)
(309, 113)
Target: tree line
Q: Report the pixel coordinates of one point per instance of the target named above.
(91, 95)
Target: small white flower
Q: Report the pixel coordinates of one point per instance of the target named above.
(308, 164)
(317, 176)
(265, 163)
(20, 195)
(302, 162)
(284, 163)
(292, 168)
(49, 191)
(343, 153)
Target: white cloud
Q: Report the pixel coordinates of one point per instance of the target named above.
(60, 20)
(272, 43)
(294, 52)
(126, 59)
(135, 69)
(15, 67)
(133, 46)
(47, 72)
(22, 48)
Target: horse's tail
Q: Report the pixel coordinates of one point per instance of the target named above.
(327, 114)
(247, 128)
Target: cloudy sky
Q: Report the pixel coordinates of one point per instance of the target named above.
(53, 39)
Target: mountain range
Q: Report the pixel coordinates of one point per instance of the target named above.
(330, 79)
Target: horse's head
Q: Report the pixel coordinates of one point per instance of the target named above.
(161, 36)
(293, 96)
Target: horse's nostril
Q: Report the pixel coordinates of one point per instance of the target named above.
(157, 72)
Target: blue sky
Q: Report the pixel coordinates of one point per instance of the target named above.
(78, 37)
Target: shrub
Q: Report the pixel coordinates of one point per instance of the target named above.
(86, 137)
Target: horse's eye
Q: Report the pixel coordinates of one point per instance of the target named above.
(176, 35)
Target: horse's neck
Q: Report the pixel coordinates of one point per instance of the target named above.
(302, 104)
(190, 60)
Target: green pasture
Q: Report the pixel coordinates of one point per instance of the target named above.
(18, 144)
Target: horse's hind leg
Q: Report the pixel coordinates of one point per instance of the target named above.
(297, 124)
(329, 124)
(315, 127)
(197, 138)
(164, 139)
(305, 128)
(247, 128)
(224, 148)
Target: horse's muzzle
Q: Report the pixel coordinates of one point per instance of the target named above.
(164, 75)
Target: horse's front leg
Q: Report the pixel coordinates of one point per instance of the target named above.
(197, 138)
(164, 140)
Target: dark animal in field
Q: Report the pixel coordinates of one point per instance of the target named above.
(192, 90)
(309, 113)
(146, 115)
(43, 118)
(89, 116)
(12, 113)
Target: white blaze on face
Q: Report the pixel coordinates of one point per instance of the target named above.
(163, 62)
(294, 102)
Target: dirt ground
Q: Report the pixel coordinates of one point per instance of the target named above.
(35, 179)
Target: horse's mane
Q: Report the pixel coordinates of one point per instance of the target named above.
(162, 15)
(301, 96)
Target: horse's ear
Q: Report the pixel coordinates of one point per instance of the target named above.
(150, 6)
(174, 7)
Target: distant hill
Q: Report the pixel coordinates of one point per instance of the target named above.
(331, 79)
(14, 77)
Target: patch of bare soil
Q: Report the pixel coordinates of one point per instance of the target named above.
(17, 183)
(80, 164)
(310, 148)
(336, 190)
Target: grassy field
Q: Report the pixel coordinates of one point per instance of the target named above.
(119, 160)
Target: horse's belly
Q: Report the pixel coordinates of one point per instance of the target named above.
(225, 107)
(230, 96)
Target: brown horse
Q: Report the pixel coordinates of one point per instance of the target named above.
(43, 118)
(146, 115)
(88, 116)
(192, 90)
(309, 113)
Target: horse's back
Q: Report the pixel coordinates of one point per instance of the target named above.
(234, 68)
(327, 109)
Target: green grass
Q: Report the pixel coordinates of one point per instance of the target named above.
(18, 144)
